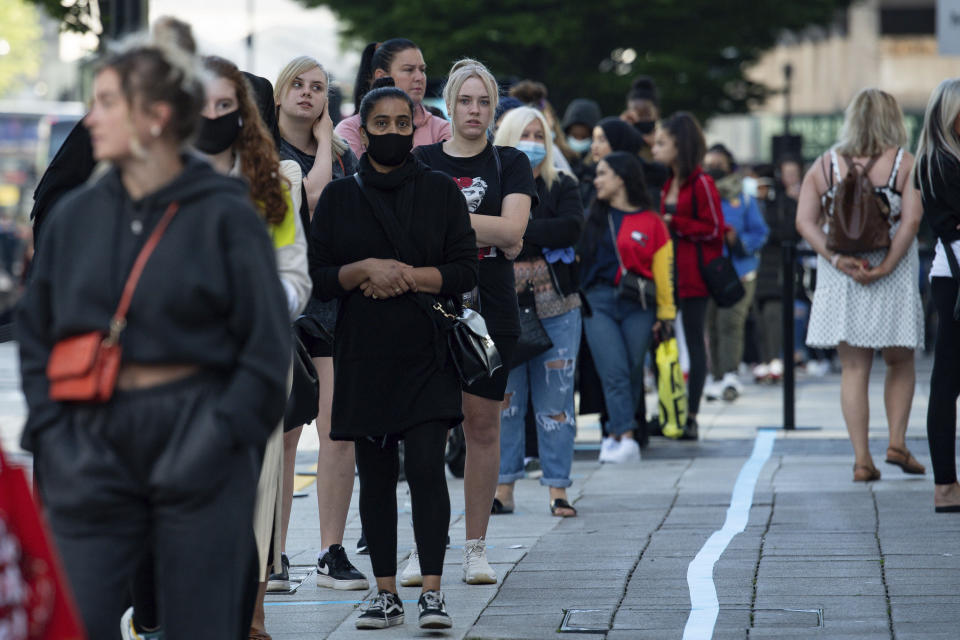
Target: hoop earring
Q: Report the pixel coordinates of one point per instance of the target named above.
(155, 130)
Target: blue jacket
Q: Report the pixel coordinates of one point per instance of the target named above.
(743, 216)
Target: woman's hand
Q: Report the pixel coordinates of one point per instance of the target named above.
(869, 275)
(323, 126)
(387, 279)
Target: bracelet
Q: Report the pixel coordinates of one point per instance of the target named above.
(834, 259)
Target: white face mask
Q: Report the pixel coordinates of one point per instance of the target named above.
(750, 186)
(579, 146)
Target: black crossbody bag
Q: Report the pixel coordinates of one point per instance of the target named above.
(469, 344)
(721, 278)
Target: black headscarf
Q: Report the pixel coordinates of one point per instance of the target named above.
(621, 135)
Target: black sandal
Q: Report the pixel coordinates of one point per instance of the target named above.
(560, 503)
(499, 508)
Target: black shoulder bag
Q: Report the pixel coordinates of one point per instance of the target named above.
(469, 344)
(721, 278)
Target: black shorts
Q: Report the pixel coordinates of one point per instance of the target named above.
(494, 387)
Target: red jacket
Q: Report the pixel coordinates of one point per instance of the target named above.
(706, 229)
(643, 243)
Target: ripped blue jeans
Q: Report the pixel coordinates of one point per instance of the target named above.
(548, 381)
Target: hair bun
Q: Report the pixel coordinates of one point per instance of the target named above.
(385, 81)
(644, 88)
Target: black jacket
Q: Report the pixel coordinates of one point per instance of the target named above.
(941, 198)
(209, 294)
(388, 378)
(556, 222)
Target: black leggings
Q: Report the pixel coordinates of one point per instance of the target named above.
(694, 312)
(378, 467)
(944, 384)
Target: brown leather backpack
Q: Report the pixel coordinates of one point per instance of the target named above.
(861, 216)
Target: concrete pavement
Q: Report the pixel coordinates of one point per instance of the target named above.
(820, 557)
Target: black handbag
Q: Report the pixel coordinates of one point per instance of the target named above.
(721, 278)
(472, 350)
(633, 286)
(303, 403)
(533, 338)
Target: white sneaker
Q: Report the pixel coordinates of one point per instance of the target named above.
(410, 576)
(761, 372)
(627, 451)
(731, 387)
(776, 368)
(607, 448)
(476, 569)
(713, 389)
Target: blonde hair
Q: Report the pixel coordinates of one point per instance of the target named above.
(872, 123)
(294, 68)
(460, 72)
(511, 128)
(938, 136)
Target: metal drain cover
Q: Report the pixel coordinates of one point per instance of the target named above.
(585, 621)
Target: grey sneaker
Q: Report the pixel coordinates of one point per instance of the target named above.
(384, 611)
(476, 569)
(433, 611)
(410, 576)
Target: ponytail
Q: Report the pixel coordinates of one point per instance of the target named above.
(376, 55)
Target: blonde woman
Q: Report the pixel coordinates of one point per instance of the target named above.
(498, 185)
(871, 300)
(307, 137)
(938, 179)
(545, 272)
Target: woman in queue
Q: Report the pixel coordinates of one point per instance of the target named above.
(169, 465)
(938, 170)
(624, 238)
(546, 270)
(381, 243)
(402, 60)
(868, 300)
(498, 185)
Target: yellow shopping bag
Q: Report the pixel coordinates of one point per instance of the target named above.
(671, 389)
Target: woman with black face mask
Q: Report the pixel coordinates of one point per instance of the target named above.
(386, 243)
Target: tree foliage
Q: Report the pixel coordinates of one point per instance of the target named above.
(696, 50)
(73, 15)
(20, 43)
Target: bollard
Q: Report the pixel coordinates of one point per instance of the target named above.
(788, 256)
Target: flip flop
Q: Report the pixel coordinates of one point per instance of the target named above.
(499, 508)
(560, 503)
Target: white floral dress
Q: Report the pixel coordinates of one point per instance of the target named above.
(884, 313)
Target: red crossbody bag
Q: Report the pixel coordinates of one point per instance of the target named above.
(84, 368)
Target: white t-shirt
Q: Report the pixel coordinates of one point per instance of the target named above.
(941, 267)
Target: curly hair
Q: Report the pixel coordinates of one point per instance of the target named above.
(259, 162)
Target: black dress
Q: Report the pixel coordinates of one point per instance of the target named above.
(387, 377)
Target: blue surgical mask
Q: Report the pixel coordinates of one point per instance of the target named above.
(578, 145)
(750, 186)
(535, 151)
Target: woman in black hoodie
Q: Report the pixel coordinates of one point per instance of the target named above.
(169, 464)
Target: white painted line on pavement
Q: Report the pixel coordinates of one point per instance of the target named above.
(704, 606)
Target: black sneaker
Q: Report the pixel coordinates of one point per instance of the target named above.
(280, 581)
(433, 611)
(362, 547)
(690, 430)
(335, 571)
(386, 610)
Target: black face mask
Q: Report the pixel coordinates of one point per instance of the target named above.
(645, 127)
(389, 149)
(218, 134)
(716, 173)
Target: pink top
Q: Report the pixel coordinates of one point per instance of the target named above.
(429, 130)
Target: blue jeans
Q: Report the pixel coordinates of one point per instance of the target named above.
(548, 381)
(618, 333)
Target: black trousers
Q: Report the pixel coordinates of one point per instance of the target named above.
(694, 312)
(944, 384)
(378, 466)
(154, 471)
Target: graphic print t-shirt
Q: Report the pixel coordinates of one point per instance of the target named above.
(484, 191)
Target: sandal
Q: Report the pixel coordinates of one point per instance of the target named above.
(864, 473)
(499, 508)
(905, 460)
(560, 503)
